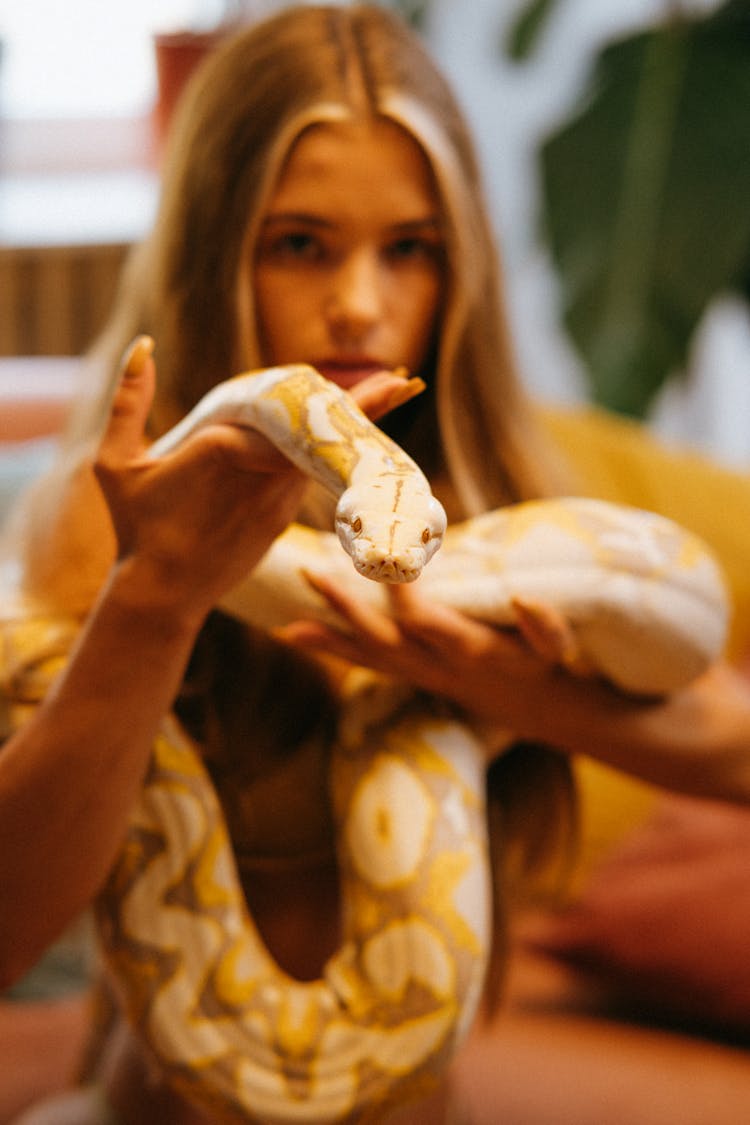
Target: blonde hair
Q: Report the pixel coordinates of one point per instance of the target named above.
(190, 284)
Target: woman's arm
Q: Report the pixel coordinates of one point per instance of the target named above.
(186, 528)
(695, 741)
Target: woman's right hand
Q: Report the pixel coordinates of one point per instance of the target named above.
(192, 522)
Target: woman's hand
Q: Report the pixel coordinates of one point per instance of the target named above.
(438, 649)
(528, 682)
(192, 522)
(196, 520)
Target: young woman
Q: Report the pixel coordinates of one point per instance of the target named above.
(321, 203)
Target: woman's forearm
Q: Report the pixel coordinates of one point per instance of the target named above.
(696, 741)
(69, 777)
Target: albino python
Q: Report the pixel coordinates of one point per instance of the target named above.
(227, 1026)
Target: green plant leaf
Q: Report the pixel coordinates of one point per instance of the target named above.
(525, 30)
(415, 12)
(646, 200)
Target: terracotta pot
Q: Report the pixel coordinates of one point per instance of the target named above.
(177, 54)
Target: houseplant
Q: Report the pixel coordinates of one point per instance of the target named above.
(645, 190)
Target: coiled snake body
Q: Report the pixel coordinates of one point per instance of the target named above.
(227, 1026)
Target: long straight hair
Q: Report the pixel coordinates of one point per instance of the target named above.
(190, 286)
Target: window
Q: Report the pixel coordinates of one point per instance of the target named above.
(87, 58)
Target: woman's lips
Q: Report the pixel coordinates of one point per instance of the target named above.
(347, 373)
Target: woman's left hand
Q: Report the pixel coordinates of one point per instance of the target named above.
(443, 651)
(527, 682)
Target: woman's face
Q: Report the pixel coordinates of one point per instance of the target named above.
(349, 260)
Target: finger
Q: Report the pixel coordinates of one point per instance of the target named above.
(369, 623)
(436, 627)
(550, 635)
(248, 450)
(385, 391)
(313, 636)
(124, 436)
(407, 604)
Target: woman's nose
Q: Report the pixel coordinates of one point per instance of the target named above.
(355, 301)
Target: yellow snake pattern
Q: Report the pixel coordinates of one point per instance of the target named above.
(237, 1036)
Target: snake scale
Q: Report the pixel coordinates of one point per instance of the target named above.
(242, 1040)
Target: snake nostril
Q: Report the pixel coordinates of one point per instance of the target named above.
(357, 525)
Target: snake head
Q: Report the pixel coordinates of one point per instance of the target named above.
(387, 545)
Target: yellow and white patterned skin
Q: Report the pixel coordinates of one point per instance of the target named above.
(387, 519)
(226, 1025)
(236, 1035)
(645, 599)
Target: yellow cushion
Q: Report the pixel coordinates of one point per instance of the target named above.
(613, 458)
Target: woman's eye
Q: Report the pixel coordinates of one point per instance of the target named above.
(414, 249)
(295, 246)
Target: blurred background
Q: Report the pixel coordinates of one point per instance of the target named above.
(615, 139)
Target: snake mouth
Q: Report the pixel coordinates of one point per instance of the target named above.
(386, 570)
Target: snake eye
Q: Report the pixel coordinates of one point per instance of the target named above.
(356, 525)
(426, 537)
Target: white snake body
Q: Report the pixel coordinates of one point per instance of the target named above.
(231, 1030)
(226, 1025)
(387, 519)
(645, 599)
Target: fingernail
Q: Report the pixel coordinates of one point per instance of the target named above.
(416, 385)
(405, 392)
(135, 356)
